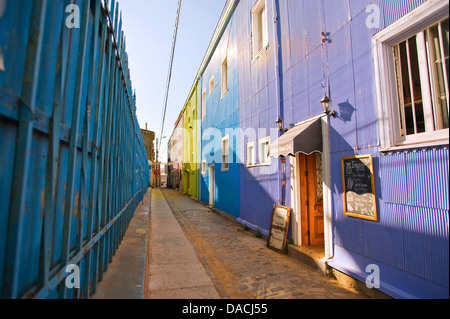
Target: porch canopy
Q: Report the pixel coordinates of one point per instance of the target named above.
(305, 138)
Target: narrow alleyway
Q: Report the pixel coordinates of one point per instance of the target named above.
(238, 264)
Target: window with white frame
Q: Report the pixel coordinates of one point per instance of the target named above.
(224, 83)
(203, 167)
(259, 27)
(264, 144)
(225, 153)
(204, 104)
(251, 154)
(412, 60)
(211, 85)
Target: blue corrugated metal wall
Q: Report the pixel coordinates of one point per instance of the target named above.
(410, 240)
(260, 188)
(73, 165)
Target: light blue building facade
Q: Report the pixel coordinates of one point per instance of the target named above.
(219, 173)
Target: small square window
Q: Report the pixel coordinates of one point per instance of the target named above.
(264, 145)
(204, 167)
(224, 84)
(211, 86)
(225, 154)
(251, 158)
(259, 28)
(204, 104)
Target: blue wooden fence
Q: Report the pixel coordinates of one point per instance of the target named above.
(73, 166)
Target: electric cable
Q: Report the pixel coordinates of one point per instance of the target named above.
(169, 76)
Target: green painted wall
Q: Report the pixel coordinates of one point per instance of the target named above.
(190, 144)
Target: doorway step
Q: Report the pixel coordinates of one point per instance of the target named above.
(312, 256)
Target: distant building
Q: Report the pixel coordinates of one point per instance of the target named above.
(175, 156)
(190, 143)
(149, 138)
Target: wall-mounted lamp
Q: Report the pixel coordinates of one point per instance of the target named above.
(326, 105)
(280, 125)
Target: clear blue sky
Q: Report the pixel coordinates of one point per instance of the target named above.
(149, 28)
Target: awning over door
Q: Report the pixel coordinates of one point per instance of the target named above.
(305, 138)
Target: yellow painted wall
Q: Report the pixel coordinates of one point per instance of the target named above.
(190, 144)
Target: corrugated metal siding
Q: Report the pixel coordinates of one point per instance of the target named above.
(427, 174)
(258, 113)
(412, 187)
(426, 244)
(394, 10)
(394, 177)
(74, 166)
(416, 184)
(222, 118)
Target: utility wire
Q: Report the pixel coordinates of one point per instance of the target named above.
(169, 77)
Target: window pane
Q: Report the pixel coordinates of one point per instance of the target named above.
(417, 88)
(263, 27)
(250, 157)
(225, 152)
(224, 76)
(437, 69)
(260, 30)
(319, 177)
(265, 152)
(445, 36)
(445, 40)
(211, 86)
(204, 104)
(400, 86)
(404, 88)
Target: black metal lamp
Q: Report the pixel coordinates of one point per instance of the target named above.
(280, 124)
(326, 105)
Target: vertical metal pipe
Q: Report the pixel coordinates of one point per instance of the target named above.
(278, 88)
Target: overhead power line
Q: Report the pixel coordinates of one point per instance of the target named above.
(169, 77)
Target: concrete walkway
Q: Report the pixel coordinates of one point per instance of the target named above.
(125, 276)
(240, 265)
(174, 270)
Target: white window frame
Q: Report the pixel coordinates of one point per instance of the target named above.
(224, 82)
(256, 50)
(424, 16)
(260, 150)
(225, 164)
(203, 167)
(204, 104)
(253, 154)
(212, 85)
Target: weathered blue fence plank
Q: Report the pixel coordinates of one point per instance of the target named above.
(74, 166)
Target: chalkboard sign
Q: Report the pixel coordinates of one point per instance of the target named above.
(359, 187)
(279, 228)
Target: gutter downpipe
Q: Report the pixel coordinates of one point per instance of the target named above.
(281, 172)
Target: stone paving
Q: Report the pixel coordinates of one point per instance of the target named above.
(240, 265)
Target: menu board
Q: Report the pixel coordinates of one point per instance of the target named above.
(279, 228)
(359, 187)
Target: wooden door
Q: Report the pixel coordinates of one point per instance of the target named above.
(311, 188)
